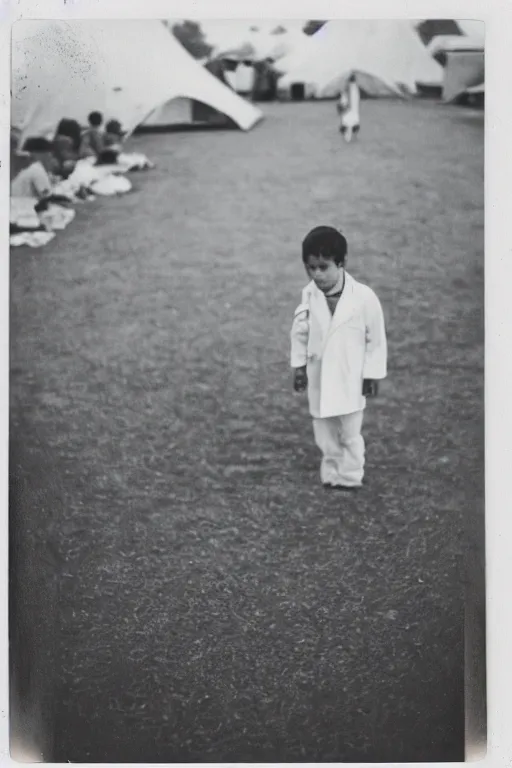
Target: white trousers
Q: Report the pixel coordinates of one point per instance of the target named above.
(342, 445)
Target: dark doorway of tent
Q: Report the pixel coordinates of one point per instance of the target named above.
(297, 92)
(185, 115)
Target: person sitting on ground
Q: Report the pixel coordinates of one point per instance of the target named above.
(33, 188)
(114, 153)
(34, 181)
(92, 142)
(112, 143)
(66, 146)
(19, 160)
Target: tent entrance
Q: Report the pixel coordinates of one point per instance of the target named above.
(297, 92)
(182, 114)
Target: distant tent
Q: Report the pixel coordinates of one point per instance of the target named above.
(297, 53)
(243, 52)
(134, 71)
(251, 60)
(265, 82)
(464, 70)
(278, 46)
(440, 46)
(463, 59)
(387, 56)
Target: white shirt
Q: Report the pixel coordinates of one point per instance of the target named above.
(31, 182)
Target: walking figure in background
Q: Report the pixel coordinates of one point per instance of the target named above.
(348, 107)
(338, 353)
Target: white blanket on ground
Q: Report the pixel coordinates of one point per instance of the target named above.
(56, 217)
(111, 185)
(22, 212)
(134, 161)
(33, 239)
(100, 179)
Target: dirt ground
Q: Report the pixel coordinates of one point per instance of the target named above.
(203, 598)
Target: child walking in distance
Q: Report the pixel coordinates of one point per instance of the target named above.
(349, 109)
(338, 353)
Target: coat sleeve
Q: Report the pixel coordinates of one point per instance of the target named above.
(299, 336)
(376, 350)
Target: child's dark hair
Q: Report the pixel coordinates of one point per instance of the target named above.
(114, 127)
(71, 129)
(95, 119)
(37, 144)
(326, 242)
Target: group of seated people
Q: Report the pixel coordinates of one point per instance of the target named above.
(48, 177)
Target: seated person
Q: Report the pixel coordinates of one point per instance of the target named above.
(92, 140)
(19, 160)
(34, 181)
(32, 189)
(66, 146)
(112, 143)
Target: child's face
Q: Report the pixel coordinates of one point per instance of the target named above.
(325, 272)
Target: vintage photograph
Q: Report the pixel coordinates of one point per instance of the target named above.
(246, 503)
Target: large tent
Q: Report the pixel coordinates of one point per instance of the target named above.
(252, 55)
(441, 45)
(387, 55)
(463, 70)
(255, 41)
(463, 59)
(134, 71)
(262, 45)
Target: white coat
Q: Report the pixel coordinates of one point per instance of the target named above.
(339, 350)
(350, 115)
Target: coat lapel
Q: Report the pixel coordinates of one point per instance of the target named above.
(321, 310)
(345, 307)
(324, 324)
(320, 317)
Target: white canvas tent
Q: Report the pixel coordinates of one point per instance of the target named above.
(278, 46)
(298, 53)
(129, 70)
(441, 45)
(258, 37)
(387, 55)
(463, 59)
(463, 70)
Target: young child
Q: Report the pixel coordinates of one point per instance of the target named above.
(34, 181)
(349, 109)
(112, 143)
(338, 352)
(92, 142)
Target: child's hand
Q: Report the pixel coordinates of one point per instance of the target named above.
(300, 379)
(370, 388)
